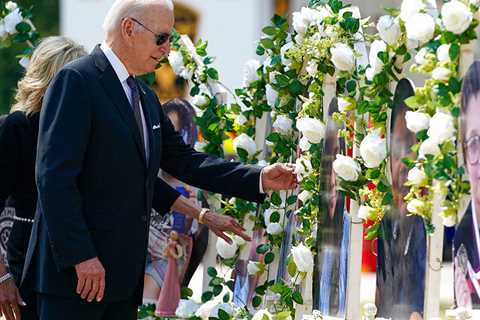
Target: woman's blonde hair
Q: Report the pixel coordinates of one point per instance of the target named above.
(47, 59)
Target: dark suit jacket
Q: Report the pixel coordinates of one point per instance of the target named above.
(95, 189)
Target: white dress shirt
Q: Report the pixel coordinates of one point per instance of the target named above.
(123, 75)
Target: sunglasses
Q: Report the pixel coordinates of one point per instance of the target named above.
(160, 38)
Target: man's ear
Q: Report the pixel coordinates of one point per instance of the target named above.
(127, 29)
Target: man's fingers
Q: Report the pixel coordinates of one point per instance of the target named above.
(93, 292)
(16, 311)
(222, 235)
(87, 287)
(20, 301)
(7, 311)
(101, 289)
(80, 283)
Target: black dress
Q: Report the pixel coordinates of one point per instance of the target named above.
(18, 141)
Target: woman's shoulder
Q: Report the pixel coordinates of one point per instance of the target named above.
(15, 119)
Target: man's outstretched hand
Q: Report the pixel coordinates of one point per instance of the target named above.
(279, 176)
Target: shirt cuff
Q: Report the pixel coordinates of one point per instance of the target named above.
(260, 183)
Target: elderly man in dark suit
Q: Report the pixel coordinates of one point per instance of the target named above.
(102, 139)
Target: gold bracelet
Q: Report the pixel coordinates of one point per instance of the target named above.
(201, 216)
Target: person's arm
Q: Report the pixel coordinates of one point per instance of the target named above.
(64, 133)
(163, 197)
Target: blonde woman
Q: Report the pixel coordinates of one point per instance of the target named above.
(18, 141)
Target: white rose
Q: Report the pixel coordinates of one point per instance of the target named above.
(304, 196)
(410, 7)
(370, 73)
(441, 74)
(224, 306)
(299, 25)
(200, 146)
(303, 258)
(262, 314)
(226, 250)
(373, 149)
(241, 120)
(274, 228)
(429, 146)
(201, 101)
(272, 95)
(420, 27)
(312, 68)
(303, 167)
(250, 74)
(186, 308)
(267, 64)
(24, 61)
(442, 127)
(11, 6)
(456, 16)
(389, 29)
(11, 20)
(420, 57)
(283, 51)
(415, 206)
(252, 268)
(365, 212)
(443, 54)
(346, 168)
(375, 62)
(283, 124)
(342, 57)
(304, 144)
(416, 176)
(175, 59)
(311, 128)
(412, 44)
(417, 121)
(246, 143)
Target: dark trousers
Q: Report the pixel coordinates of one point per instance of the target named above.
(61, 308)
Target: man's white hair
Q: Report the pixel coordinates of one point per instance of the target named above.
(128, 8)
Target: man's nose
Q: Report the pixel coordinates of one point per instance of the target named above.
(165, 48)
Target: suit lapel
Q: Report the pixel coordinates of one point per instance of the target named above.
(148, 123)
(114, 89)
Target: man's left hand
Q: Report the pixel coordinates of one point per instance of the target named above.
(279, 176)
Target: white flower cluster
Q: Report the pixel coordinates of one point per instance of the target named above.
(9, 23)
(229, 250)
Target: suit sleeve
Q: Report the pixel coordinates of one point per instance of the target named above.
(10, 156)
(204, 171)
(64, 132)
(163, 197)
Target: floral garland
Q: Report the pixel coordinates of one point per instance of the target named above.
(16, 27)
(436, 111)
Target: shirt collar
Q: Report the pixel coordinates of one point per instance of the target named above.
(116, 63)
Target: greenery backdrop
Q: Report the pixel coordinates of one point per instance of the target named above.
(46, 20)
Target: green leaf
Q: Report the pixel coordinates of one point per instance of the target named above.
(291, 200)
(226, 297)
(263, 248)
(223, 315)
(260, 50)
(422, 135)
(297, 297)
(372, 232)
(256, 301)
(212, 272)
(270, 31)
(186, 293)
(276, 199)
(201, 48)
(269, 258)
(408, 162)
(275, 217)
(274, 137)
(212, 73)
(217, 289)
(412, 102)
(230, 284)
(242, 153)
(194, 91)
(373, 174)
(454, 51)
(278, 20)
(351, 85)
(282, 80)
(207, 296)
(260, 290)
(382, 187)
(23, 27)
(267, 43)
(296, 87)
(455, 85)
(291, 267)
(456, 112)
(387, 199)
